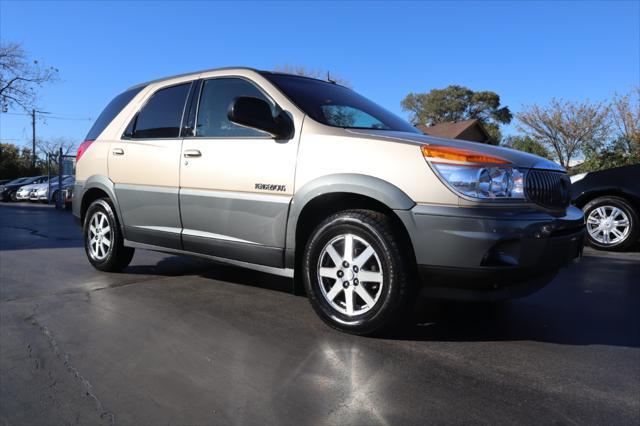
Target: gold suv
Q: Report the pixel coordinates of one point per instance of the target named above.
(305, 178)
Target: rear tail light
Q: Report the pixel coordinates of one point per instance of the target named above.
(83, 148)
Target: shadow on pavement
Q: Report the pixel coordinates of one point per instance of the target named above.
(595, 302)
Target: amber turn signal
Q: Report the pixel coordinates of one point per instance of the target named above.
(459, 154)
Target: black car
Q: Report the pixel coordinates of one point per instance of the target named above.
(8, 190)
(610, 200)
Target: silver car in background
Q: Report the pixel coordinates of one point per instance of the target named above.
(23, 193)
(47, 192)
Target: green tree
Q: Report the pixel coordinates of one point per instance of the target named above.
(457, 103)
(14, 161)
(612, 154)
(526, 144)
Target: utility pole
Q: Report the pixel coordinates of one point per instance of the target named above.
(33, 140)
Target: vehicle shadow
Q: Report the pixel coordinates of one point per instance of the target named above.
(594, 302)
(172, 266)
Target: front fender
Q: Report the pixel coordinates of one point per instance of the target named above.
(368, 186)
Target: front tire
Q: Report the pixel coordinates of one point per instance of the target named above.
(612, 223)
(103, 239)
(356, 272)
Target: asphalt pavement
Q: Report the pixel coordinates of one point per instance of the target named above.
(178, 340)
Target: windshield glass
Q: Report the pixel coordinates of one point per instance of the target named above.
(337, 106)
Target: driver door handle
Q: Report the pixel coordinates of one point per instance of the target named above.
(190, 153)
(117, 151)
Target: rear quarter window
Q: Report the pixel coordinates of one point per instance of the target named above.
(109, 113)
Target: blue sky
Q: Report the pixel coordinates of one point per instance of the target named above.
(527, 52)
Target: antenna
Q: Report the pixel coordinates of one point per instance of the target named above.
(329, 78)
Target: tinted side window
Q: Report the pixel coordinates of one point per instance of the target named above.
(161, 116)
(109, 113)
(217, 95)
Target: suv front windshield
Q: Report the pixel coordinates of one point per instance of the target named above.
(337, 106)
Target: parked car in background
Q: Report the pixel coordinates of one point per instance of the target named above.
(41, 192)
(9, 189)
(610, 200)
(23, 193)
(302, 177)
(3, 181)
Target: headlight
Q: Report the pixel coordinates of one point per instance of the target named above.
(482, 181)
(482, 176)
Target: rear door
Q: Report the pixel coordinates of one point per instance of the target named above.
(145, 169)
(236, 183)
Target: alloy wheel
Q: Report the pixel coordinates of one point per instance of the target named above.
(350, 274)
(608, 225)
(99, 236)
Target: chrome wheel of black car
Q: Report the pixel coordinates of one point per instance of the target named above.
(612, 223)
(608, 225)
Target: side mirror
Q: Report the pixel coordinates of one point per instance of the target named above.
(256, 113)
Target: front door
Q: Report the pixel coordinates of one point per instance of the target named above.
(145, 169)
(236, 183)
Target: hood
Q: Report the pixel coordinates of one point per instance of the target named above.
(518, 158)
(38, 186)
(31, 186)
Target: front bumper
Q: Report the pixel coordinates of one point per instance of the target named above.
(491, 252)
(22, 195)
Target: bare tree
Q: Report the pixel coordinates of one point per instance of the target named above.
(311, 72)
(20, 77)
(568, 129)
(51, 147)
(625, 115)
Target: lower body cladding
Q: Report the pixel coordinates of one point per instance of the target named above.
(491, 253)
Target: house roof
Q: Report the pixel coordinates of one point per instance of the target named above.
(451, 130)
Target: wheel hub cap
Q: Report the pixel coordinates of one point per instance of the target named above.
(350, 275)
(608, 225)
(99, 236)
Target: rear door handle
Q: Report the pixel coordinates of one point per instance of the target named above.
(190, 153)
(117, 151)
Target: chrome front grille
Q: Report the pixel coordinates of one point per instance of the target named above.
(548, 189)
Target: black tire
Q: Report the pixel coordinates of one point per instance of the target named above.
(629, 211)
(117, 256)
(392, 253)
(13, 196)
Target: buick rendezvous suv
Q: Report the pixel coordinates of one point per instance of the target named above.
(307, 179)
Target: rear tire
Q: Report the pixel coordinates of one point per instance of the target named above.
(362, 290)
(103, 239)
(612, 223)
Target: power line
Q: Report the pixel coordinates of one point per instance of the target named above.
(70, 118)
(53, 115)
